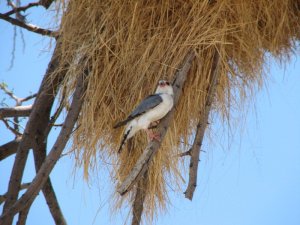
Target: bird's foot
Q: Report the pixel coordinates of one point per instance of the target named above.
(153, 136)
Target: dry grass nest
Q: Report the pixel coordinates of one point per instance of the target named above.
(128, 46)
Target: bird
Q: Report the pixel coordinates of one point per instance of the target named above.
(149, 111)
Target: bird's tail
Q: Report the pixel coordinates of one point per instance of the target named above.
(124, 139)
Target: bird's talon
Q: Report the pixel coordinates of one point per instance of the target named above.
(153, 136)
(156, 137)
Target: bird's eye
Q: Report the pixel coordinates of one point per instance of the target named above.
(167, 83)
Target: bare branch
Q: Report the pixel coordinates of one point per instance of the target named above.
(19, 16)
(8, 92)
(14, 131)
(138, 204)
(52, 202)
(18, 111)
(21, 8)
(23, 216)
(145, 159)
(53, 156)
(39, 154)
(9, 148)
(22, 187)
(27, 98)
(38, 121)
(29, 27)
(195, 150)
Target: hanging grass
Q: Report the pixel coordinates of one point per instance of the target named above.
(128, 46)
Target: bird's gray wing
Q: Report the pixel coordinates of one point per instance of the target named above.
(148, 103)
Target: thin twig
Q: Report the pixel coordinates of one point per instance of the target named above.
(28, 98)
(145, 159)
(14, 131)
(16, 123)
(21, 8)
(56, 114)
(28, 26)
(8, 92)
(19, 16)
(201, 126)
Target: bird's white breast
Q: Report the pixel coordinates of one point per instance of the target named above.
(154, 114)
(157, 112)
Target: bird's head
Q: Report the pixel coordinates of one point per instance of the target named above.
(164, 87)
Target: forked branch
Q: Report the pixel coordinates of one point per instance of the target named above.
(37, 122)
(53, 156)
(22, 187)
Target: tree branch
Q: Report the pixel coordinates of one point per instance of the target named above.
(195, 150)
(37, 123)
(22, 8)
(52, 203)
(53, 156)
(29, 27)
(22, 187)
(48, 191)
(8, 92)
(138, 204)
(18, 111)
(14, 131)
(28, 98)
(145, 159)
(18, 100)
(23, 216)
(9, 148)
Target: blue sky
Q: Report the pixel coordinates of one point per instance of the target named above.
(255, 181)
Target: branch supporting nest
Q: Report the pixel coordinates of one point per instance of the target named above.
(194, 152)
(9, 148)
(145, 159)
